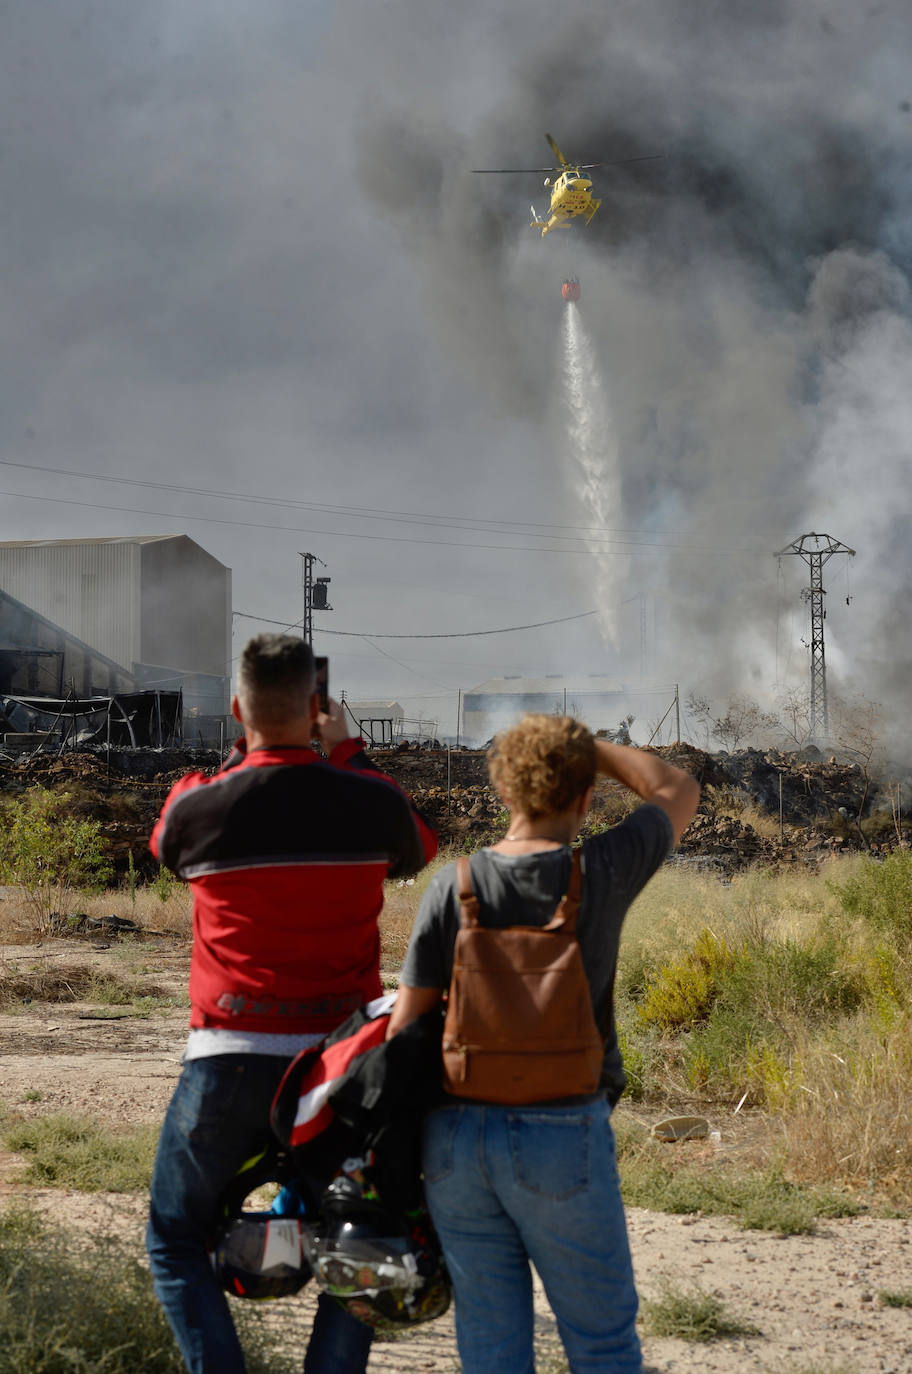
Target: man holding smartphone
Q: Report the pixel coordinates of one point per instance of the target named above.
(286, 853)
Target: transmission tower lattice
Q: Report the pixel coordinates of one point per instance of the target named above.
(817, 549)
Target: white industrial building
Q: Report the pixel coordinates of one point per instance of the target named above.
(157, 605)
(599, 701)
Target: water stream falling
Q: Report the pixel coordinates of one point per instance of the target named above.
(593, 449)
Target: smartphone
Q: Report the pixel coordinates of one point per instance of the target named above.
(321, 681)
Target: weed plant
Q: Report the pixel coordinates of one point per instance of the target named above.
(759, 1201)
(73, 1305)
(893, 1297)
(691, 1315)
(64, 1151)
(881, 894)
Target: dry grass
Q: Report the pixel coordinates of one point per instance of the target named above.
(400, 907)
(45, 981)
(847, 1115)
(17, 923)
(174, 914)
(758, 904)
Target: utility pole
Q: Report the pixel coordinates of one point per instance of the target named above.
(314, 594)
(815, 550)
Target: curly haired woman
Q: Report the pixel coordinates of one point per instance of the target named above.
(509, 1184)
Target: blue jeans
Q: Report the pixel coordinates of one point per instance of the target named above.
(506, 1185)
(218, 1119)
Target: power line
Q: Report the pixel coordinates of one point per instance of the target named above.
(464, 634)
(414, 671)
(446, 521)
(582, 547)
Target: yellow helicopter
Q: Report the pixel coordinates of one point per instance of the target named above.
(571, 192)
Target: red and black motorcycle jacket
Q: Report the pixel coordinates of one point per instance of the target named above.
(286, 853)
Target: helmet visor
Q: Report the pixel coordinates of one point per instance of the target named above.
(363, 1266)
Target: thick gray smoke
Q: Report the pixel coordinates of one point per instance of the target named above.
(748, 294)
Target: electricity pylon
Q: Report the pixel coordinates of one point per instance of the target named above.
(817, 549)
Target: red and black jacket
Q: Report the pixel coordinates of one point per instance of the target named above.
(286, 853)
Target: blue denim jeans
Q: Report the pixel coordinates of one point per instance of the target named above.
(218, 1119)
(506, 1185)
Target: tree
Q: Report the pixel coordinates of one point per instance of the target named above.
(795, 714)
(856, 730)
(741, 718)
(49, 853)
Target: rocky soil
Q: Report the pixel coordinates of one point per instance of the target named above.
(826, 805)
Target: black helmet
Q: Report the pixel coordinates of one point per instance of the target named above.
(261, 1254)
(385, 1269)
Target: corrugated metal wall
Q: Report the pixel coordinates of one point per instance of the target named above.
(90, 589)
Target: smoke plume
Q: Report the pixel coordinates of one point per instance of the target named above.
(747, 293)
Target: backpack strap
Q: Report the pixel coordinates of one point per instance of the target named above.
(468, 902)
(565, 916)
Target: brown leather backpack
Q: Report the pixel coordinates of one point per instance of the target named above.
(519, 1025)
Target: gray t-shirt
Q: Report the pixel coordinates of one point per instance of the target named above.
(525, 889)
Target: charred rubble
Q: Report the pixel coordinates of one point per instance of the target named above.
(827, 805)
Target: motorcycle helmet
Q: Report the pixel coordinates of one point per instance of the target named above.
(260, 1254)
(384, 1269)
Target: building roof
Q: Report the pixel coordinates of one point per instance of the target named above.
(103, 539)
(362, 710)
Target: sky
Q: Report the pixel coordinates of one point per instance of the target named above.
(252, 292)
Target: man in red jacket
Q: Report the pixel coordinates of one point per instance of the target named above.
(286, 852)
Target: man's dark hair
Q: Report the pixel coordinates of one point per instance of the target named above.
(276, 679)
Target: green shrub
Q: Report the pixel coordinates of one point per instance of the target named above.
(635, 1065)
(86, 1306)
(887, 977)
(163, 883)
(787, 980)
(131, 882)
(881, 894)
(691, 1315)
(768, 997)
(681, 994)
(50, 852)
(895, 1297)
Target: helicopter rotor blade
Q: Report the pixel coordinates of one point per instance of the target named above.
(556, 151)
(621, 161)
(564, 167)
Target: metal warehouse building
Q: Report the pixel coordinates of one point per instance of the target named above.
(600, 702)
(157, 605)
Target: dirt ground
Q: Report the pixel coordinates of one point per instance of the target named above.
(812, 1298)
